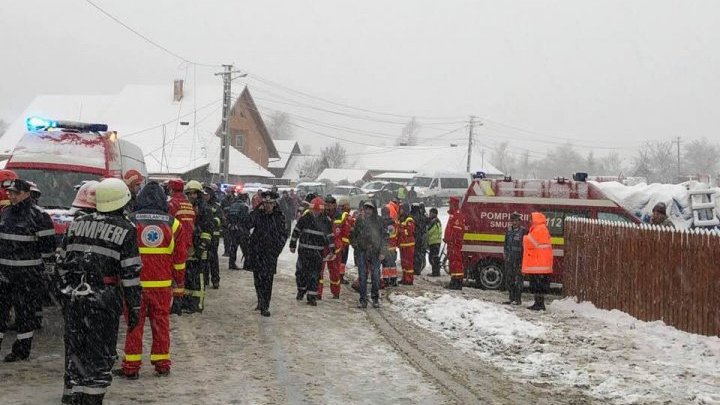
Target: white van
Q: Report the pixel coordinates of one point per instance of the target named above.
(435, 189)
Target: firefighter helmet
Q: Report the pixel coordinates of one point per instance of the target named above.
(132, 176)
(111, 195)
(317, 204)
(194, 185)
(85, 197)
(34, 190)
(176, 184)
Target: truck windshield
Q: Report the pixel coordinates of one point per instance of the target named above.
(57, 187)
(421, 181)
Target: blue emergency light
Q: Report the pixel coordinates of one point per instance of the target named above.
(41, 124)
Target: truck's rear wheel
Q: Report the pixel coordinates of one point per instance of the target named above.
(489, 275)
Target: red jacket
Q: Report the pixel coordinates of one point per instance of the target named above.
(455, 230)
(406, 232)
(341, 226)
(180, 208)
(393, 235)
(163, 249)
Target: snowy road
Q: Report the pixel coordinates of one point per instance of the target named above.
(426, 345)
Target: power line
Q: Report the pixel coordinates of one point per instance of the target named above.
(144, 37)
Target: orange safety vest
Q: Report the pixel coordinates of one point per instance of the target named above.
(537, 247)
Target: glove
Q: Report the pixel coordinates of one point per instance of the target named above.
(133, 318)
(292, 250)
(179, 291)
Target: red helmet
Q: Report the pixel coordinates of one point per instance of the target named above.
(85, 197)
(317, 205)
(132, 176)
(7, 175)
(176, 184)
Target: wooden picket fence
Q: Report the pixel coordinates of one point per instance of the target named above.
(652, 273)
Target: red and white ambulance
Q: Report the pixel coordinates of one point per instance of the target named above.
(57, 155)
(487, 207)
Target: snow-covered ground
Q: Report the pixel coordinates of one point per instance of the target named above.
(609, 354)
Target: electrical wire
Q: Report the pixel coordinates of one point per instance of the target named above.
(146, 38)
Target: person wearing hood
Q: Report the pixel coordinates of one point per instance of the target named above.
(537, 259)
(659, 216)
(163, 251)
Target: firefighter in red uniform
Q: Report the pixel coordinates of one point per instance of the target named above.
(341, 236)
(389, 263)
(163, 251)
(406, 241)
(181, 209)
(454, 232)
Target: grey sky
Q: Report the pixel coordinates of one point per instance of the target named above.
(623, 71)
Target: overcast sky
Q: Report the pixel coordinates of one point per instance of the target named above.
(609, 73)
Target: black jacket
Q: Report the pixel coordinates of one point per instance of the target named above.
(312, 234)
(369, 235)
(204, 227)
(267, 240)
(27, 236)
(99, 248)
(514, 243)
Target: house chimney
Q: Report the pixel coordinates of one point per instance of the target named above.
(178, 90)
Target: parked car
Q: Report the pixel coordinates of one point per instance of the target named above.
(435, 189)
(354, 195)
(381, 192)
(307, 187)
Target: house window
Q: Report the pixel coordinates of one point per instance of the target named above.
(239, 141)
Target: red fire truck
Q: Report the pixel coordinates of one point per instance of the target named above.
(487, 207)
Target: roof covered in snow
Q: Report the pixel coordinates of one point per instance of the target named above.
(147, 116)
(285, 149)
(293, 169)
(337, 175)
(422, 159)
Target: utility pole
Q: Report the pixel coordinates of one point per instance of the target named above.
(678, 156)
(227, 103)
(470, 143)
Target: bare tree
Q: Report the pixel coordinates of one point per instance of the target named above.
(561, 161)
(701, 157)
(409, 133)
(502, 159)
(656, 161)
(335, 155)
(610, 165)
(525, 165)
(591, 163)
(280, 126)
(3, 126)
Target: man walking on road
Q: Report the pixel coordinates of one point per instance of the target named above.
(369, 239)
(266, 242)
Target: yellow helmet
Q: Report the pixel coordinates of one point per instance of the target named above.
(111, 195)
(194, 185)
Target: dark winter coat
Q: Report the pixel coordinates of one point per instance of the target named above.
(312, 234)
(27, 236)
(152, 197)
(267, 240)
(514, 243)
(369, 235)
(288, 208)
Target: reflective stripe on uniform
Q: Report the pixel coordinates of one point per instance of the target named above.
(494, 237)
(156, 284)
(205, 235)
(45, 232)
(21, 263)
(176, 225)
(27, 335)
(346, 240)
(131, 282)
(89, 390)
(408, 271)
(156, 357)
(407, 244)
(313, 232)
(78, 247)
(311, 247)
(47, 255)
(179, 266)
(19, 238)
(133, 357)
(131, 261)
(179, 290)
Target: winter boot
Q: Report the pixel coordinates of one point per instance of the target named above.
(300, 295)
(362, 304)
(265, 313)
(455, 284)
(13, 357)
(539, 304)
(336, 296)
(69, 399)
(376, 303)
(93, 399)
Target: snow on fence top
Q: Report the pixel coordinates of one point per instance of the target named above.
(695, 231)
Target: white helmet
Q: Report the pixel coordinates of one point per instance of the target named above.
(111, 195)
(85, 197)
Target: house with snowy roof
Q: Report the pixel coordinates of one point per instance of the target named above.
(287, 149)
(425, 159)
(178, 128)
